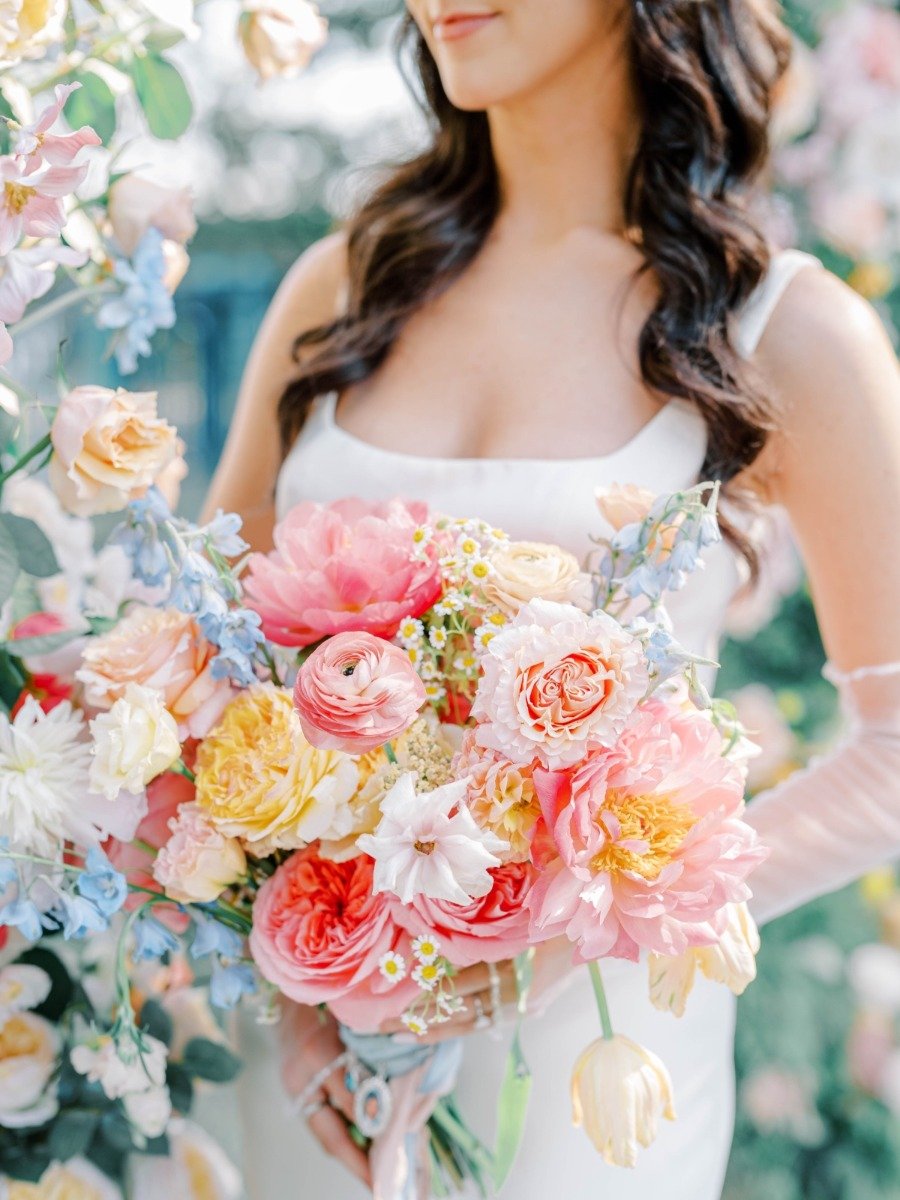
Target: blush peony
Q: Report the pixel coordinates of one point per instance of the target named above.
(355, 692)
(319, 933)
(345, 566)
(652, 848)
(556, 684)
(164, 650)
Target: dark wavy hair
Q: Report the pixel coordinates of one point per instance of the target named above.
(704, 72)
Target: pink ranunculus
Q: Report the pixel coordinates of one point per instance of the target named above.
(556, 684)
(319, 935)
(350, 565)
(355, 692)
(491, 929)
(197, 862)
(162, 649)
(650, 841)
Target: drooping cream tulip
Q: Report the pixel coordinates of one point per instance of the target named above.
(619, 1092)
(731, 961)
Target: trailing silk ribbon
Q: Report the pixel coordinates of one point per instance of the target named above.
(418, 1076)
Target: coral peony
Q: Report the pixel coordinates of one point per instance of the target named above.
(319, 933)
(260, 780)
(490, 929)
(651, 846)
(557, 684)
(344, 566)
(198, 862)
(161, 649)
(108, 448)
(355, 692)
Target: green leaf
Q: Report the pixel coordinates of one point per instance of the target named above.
(72, 1133)
(25, 599)
(9, 564)
(156, 1021)
(35, 553)
(61, 986)
(45, 644)
(181, 1088)
(163, 95)
(210, 1060)
(11, 679)
(115, 1129)
(92, 104)
(512, 1109)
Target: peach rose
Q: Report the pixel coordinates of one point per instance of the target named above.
(525, 570)
(355, 692)
(137, 204)
(624, 503)
(108, 447)
(280, 37)
(161, 649)
(557, 683)
(197, 863)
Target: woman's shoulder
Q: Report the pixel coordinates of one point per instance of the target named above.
(313, 285)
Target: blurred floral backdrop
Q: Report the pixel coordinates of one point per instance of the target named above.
(272, 157)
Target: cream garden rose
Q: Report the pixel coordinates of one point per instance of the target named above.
(524, 570)
(133, 743)
(29, 1049)
(280, 37)
(108, 448)
(76, 1179)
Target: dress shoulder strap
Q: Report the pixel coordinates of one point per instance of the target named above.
(751, 321)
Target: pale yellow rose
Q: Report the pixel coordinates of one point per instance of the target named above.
(108, 448)
(29, 1047)
(75, 1180)
(731, 961)
(280, 37)
(137, 204)
(523, 571)
(619, 1092)
(624, 503)
(133, 743)
(27, 29)
(258, 779)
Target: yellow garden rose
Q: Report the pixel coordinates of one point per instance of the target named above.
(258, 778)
(522, 571)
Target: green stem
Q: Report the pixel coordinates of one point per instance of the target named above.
(602, 1005)
(59, 304)
(36, 450)
(389, 752)
(179, 768)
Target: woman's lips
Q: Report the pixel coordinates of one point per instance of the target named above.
(449, 30)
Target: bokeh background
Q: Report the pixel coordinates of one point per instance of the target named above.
(272, 166)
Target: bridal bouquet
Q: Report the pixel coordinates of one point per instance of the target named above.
(399, 745)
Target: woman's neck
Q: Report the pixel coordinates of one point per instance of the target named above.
(563, 150)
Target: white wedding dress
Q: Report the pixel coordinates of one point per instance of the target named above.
(539, 500)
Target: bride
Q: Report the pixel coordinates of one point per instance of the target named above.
(564, 291)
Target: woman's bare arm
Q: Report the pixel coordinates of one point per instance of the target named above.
(244, 481)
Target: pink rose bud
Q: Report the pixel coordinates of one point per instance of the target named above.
(355, 692)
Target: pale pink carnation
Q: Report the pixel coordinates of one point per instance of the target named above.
(344, 566)
(557, 684)
(198, 862)
(500, 795)
(355, 692)
(319, 934)
(163, 649)
(650, 840)
(490, 929)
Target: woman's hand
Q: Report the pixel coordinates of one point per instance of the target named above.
(309, 1042)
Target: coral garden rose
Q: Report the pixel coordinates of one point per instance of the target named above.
(490, 929)
(500, 795)
(523, 571)
(198, 862)
(556, 684)
(161, 649)
(355, 692)
(319, 933)
(108, 448)
(652, 849)
(350, 565)
(258, 779)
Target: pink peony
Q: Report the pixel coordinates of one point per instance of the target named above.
(345, 566)
(650, 841)
(491, 929)
(198, 862)
(319, 934)
(355, 692)
(162, 649)
(557, 683)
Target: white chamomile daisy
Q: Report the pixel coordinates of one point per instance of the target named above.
(469, 547)
(497, 618)
(426, 949)
(427, 974)
(429, 670)
(414, 654)
(437, 635)
(392, 966)
(455, 601)
(422, 535)
(411, 631)
(484, 635)
(434, 691)
(414, 1024)
(478, 570)
(467, 663)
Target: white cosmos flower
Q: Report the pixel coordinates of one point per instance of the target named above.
(119, 1067)
(133, 743)
(429, 844)
(44, 780)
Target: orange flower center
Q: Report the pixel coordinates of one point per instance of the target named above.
(643, 834)
(17, 196)
(424, 847)
(18, 1039)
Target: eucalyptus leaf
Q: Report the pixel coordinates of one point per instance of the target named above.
(9, 564)
(45, 644)
(156, 1021)
(35, 553)
(93, 104)
(72, 1133)
(163, 96)
(12, 680)
(181, 1088)
(210, 1060)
